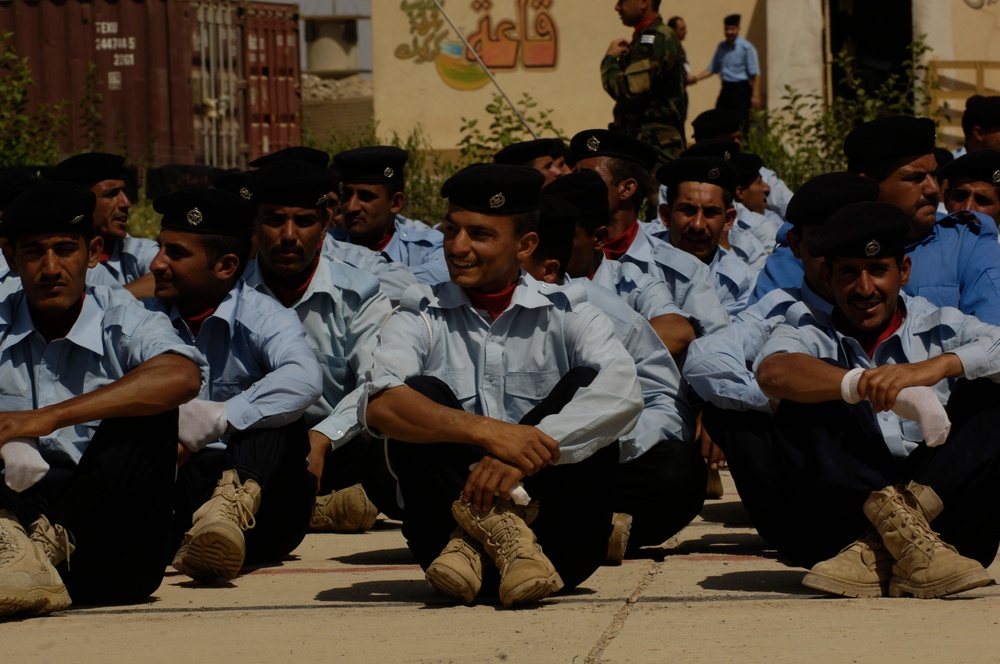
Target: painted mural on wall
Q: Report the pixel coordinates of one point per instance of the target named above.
(509, 34)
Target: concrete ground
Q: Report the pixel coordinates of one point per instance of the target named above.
(715, 593)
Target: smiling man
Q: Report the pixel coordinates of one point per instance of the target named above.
(524, 381)
(125, 258)
(341, 309)
(862, 417)
(242, 443)
(89, 387)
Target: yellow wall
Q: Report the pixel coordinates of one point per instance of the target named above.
(410, 93)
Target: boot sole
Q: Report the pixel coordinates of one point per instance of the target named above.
(38, 600)
(834, 586)
(451, 583)
(532, 590)
(210, 557)
(953, 584)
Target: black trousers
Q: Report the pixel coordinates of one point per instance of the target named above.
(805, 474)
(276, 460)
(736, 96)
(663, 490)
(116, 504)
(362, 460)
(574, 519)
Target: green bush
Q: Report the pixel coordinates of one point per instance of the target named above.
(26, 139)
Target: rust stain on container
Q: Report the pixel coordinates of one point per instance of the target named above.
(175, 74)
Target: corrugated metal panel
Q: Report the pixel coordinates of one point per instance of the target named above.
(272, 71)
(173, 73)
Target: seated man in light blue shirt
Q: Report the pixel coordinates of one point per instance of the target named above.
(89, 387)
(865, 442)
(521, 380)
(263, 378)
(659, 486)
(125, 258)
(973, 184)
(372, 196)
(341, 309)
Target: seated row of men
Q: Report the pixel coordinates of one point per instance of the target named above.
(263, 385)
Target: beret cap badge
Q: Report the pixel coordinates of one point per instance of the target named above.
(996, 177)
(388, 172)
(496, 202)
(872, 248)
(714, 173)
(323, 199)
(593, 144)
(245, 193)
(77, 219)
(194, 217)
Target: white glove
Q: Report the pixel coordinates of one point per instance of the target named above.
(920, 404)
(201, 422)
(23, 465)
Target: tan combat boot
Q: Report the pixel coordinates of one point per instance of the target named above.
(621, 528)
(214, 548)
(863, 568)
(29, 582)
(526, 574)
(458, 571)
(344, 511)
(925, 566)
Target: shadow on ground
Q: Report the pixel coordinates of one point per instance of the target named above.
(400, 556)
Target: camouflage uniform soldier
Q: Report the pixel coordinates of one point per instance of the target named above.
(646, 79)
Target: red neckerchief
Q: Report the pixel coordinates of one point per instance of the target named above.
(493, 303)
(194, 322)
(106, 253)
(384, 242)
(615, 249)
(290, 290)
(61, 326)
(643, 24)
(894, 324)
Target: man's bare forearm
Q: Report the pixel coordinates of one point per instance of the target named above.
(405, 414)
(799, 377)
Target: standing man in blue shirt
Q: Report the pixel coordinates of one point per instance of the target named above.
(735, 61)
(243, 444)
(89, 387)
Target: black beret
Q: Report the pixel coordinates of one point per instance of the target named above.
(981, 111)
(289, 182)
(982, 165)
(588, 192)
(943, 157)
(88, 168)
(308, 155)
(747, 167)
(13, 185)
(494, 189)
(889, 138)
(523, 153)
(713, 147)
(49, 207)
(376, 164)
(732, 19)
(823, 195)
(712, 170)
(862, 230)
(234, 182)
(605, 143)
(716, 122)
(208, 211)
(556, 222)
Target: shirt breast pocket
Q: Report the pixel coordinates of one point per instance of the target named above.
(335, 370)
(638, 75)
(462, 385)
(526, 389)
(911, 430)
(943, 295)
(223, 390)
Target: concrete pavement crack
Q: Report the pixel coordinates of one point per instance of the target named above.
(618, 621)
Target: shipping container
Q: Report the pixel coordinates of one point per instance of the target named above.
(175, 75)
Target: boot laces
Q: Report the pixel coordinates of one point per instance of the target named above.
(923, 538)
(8, 544)
(236, 506)
(507, 540)
(55, 540)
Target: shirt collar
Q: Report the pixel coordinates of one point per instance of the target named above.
(85, 333)
(226, 311)
(527, 295)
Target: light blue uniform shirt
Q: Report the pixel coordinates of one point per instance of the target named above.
(393, 278)
(687, 277)
(420, 249)
(735, 63)
(258, 360)
(780, 195)
(956, 265)
(928, 331)
(341, 310)
(717, 366)
(130, 259)
(666, 413)
(763, 227)
(646, 295)
(113, 335)
(505, 368)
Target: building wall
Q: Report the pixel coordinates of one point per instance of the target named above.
(414, 85)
